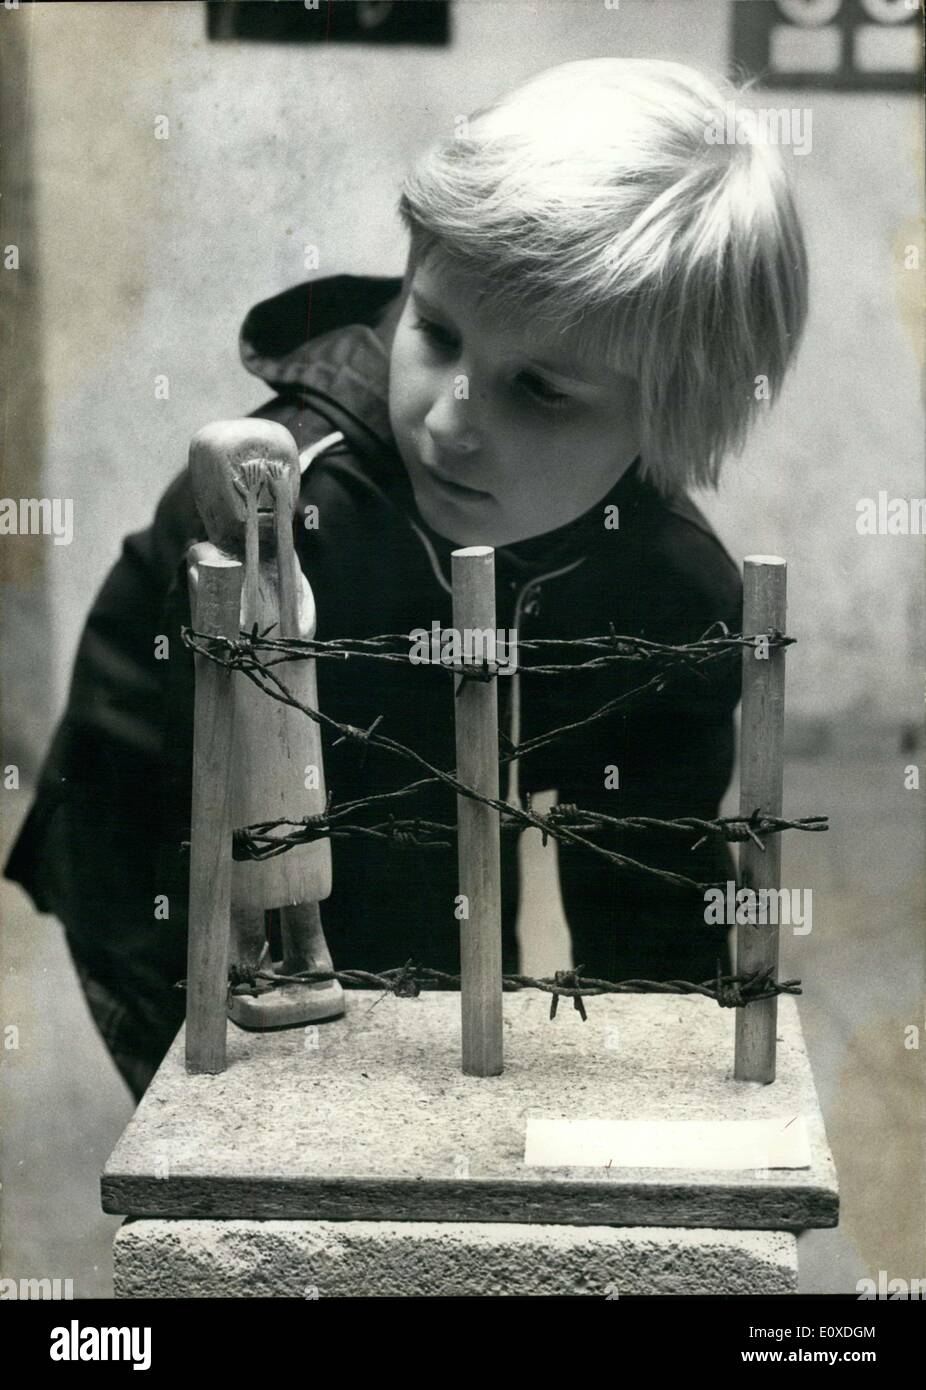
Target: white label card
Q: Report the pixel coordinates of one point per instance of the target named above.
(699, 1144)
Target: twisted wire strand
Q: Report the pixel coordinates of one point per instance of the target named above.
(564, 823)
(406, 981)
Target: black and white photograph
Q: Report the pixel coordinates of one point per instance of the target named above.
(462, 664)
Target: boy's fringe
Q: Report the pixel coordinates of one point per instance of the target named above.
(590, 203)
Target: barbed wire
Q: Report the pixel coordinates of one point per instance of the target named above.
(254, 842)
(617, 648)
(689, 657)
(405, 981)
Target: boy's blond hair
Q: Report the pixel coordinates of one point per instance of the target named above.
(593, 200)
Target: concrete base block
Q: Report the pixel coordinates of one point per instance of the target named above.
(326, 1259)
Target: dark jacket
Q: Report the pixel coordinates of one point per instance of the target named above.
(103, 836)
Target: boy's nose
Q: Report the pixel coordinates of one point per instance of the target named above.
(450, 426)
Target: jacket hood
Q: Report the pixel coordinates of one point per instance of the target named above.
(320, 338)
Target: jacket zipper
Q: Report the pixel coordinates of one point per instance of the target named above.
(532, 588)
(528, 593)
(525, 601)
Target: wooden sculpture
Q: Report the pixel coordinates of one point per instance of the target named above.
(245, 476)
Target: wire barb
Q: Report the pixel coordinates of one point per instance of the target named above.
(406, 981)
(255, 656)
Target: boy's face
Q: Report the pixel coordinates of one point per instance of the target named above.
(505, 433)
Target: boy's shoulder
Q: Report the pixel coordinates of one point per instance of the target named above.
(703, 558)
(679, 563)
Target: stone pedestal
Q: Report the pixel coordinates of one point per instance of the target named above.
(327, 1259)
(354, 1157)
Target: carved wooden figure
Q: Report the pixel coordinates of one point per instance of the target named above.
(245, 476)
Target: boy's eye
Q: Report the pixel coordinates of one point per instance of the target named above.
(435, 334)
(542, 392)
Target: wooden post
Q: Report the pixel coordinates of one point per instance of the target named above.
(761, 787)
(217, 613)
(476, 718)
